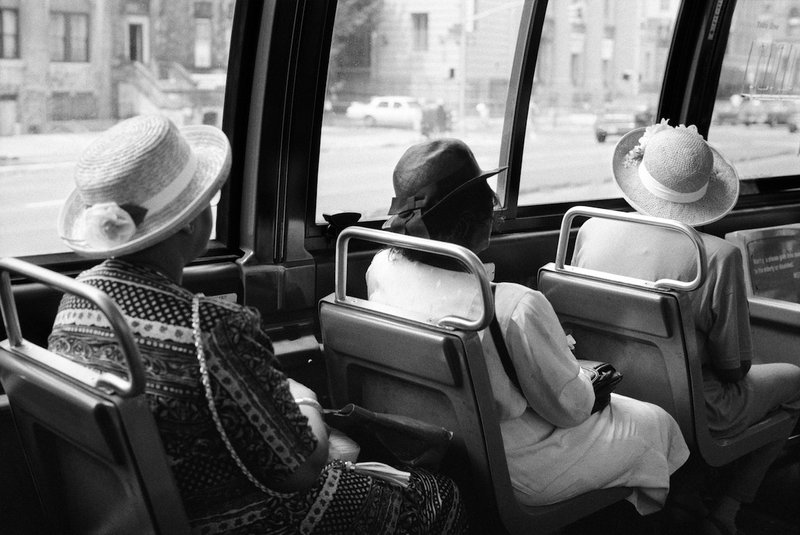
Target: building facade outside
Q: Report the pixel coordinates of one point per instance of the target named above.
(68, 65)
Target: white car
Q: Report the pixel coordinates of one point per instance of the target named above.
(388, 111)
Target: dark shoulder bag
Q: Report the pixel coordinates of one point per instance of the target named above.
(391, 438)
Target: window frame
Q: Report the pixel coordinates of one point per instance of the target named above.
(67, 49)
(4, 35)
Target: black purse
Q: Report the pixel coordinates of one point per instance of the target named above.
(605, 379)
(391, 438)
(604, 376)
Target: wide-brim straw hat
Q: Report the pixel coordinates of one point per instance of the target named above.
(426, 176)
(140, 182)
(676, 175)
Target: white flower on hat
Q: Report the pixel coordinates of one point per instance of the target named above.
(636, 154)
(107, 225)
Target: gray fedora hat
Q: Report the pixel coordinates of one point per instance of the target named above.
(673, 173)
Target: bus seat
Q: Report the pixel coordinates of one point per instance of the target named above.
(646, 330)
(436, 373)
(771, 259)
(90, 439)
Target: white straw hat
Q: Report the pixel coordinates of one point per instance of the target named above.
(673, 173)
(141, 181)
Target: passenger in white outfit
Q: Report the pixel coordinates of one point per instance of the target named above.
(556, 447)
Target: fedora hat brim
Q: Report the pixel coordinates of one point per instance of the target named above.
(393, 223)
(213, 154)
(720, 197)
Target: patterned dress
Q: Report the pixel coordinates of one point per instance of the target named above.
(252, 396)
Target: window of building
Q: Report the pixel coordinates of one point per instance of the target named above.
(9, 33)
(202, 35)
(65, 106)
(420, 21)
(69, 36)
(135, 42)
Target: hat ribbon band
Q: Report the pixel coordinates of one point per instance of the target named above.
(668, 194)
(176, 186)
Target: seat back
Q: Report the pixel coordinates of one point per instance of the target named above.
(646, 330)
(771, 259)
(90, 439)
(386, 362)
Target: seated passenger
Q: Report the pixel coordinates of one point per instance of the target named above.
(556, 448)
(673, 173)
(143, 203)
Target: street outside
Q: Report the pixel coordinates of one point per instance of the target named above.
(563, 163)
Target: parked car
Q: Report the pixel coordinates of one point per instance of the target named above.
(388, 111)
(619, 120)
(771, 113)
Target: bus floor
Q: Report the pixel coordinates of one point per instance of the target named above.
(776, 510)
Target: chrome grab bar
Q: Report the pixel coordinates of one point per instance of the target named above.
(666, 284)
(461, 254)
(130, 388)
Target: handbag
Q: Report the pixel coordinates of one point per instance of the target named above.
(605, 379)
(603, 375)
(391, 438)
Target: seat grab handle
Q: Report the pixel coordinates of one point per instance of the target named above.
(665, 284)
(466, 257)
(130, 388)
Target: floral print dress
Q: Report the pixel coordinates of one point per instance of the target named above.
(252, 396)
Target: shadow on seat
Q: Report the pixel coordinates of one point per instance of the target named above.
(646, 330)
(90, 440)
(435, 373)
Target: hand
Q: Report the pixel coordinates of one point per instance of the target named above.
(300, 390)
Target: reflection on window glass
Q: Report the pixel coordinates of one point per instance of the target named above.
(757, 113)
(71, 78)
(598, 75)
(402, 71)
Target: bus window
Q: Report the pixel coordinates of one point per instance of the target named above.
(598, 75)
(400, 72)
(66, 80)
(757, 109)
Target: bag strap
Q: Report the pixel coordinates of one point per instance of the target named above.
(206, 380)
(502, 349)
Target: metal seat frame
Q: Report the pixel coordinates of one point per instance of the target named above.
(90, 440)
(646, 330)
(386, 362)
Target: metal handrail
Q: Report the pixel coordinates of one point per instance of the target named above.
(124, 388)
(461, 254)
(666, 284)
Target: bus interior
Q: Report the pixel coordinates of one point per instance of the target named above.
(319, 98)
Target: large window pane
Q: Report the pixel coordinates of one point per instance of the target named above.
(51, 110)
(408, 70)
(598, 75)
(756, 114)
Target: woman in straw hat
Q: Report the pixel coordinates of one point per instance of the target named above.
(673, 173)
(555, 446)
(249, 450)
